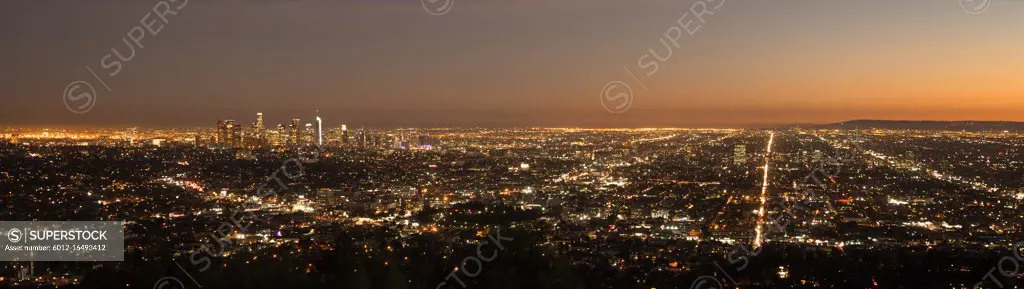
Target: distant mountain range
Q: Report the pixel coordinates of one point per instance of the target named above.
(923, 125)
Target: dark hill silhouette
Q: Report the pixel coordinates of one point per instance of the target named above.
(923, 125)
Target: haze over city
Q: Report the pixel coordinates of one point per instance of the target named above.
(515, 63)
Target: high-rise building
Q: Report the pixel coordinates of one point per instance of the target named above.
(229, 134)
(344, 134)
(259, 120)
(260, 130)
(222, 132)
(293, 132)
(308, 135)
(319, 131)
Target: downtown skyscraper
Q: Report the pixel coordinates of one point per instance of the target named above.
(293, 132)
(229, 134)
(319, 131)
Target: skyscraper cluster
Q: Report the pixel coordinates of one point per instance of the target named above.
(231, 135)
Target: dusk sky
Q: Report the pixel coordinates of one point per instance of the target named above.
(514, 62)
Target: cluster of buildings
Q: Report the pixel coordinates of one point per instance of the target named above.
(231, 134)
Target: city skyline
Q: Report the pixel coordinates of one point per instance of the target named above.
(256, 119)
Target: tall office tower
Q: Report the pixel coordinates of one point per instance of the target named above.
(236, 136)
(222, 133)
(740, 155)
(816, 157)
(229, 133)
(261, 135)
(344, 134)
(319, 131)
(293, 134)
(308, 135)
(259, 120)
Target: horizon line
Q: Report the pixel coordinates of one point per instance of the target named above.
(747, 126)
